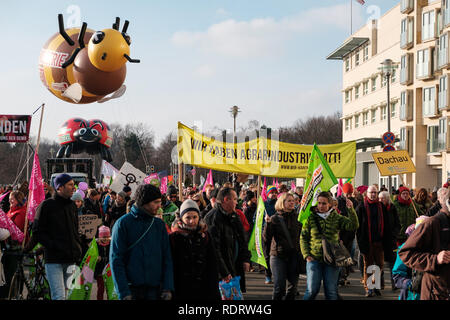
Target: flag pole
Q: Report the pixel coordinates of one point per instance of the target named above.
(180, 184)
(36, 152)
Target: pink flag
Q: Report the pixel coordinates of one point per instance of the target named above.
(37, 194)
(6, 223)
(3, 195)
(276, 183)
(209, 180)
(293, 186)
(163, 186)
(339, 190)
(264, 190)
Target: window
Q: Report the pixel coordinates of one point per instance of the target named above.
(374, 84)
(406, 139)
(365, 87)
(402, 138)
(383, 112)
(428, 25)
(366, 53)
(373, 115)
(407, 33)
(422, 66)
(347, 64)
(406, 6)
(406, 105)
(393, 109)
(357, 92)
(429, 101)
(383, 80)
(432, 139)
(445, 12)
(406, 69)
(365, 118)
(442, 134)
(357, 121)
(443, 92)
(357, 58)
(348, 124)
(347, 96)
(393, 75)
(442, 55)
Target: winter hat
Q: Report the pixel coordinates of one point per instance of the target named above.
(347, 188)
(122, 194)
(77, 197)
(61, 180)
(146, 193)
(270, 189)
(126, 189)
(401, 189)
(188, 205)
(445, 185)
(362, 189)
(249, 196)
(104, 232)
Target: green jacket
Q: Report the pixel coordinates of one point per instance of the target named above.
(407, 216)
(311, 239)
(169, 213)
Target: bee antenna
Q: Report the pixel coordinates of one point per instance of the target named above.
(125, 26)
(62, 31)
(116, 25)
(131, 60)
(81, 35)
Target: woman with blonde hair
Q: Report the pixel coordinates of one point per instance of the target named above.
(281, 233)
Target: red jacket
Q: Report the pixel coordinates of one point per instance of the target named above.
(17, 215)
(243, 220)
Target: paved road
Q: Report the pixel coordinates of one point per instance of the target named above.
(258, 290)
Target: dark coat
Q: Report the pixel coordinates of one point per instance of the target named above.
(274, 235)
(103, 253)
(115, 213)
(434, 209)
(194, 264)
(55, 226)
(93, 207)
(344, 235)
(228, 237)
(420, 252)
(362, 233)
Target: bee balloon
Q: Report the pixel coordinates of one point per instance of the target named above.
(80, 73)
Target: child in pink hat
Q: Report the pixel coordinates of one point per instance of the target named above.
(103, 241)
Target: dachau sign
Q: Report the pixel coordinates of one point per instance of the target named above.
(393, 162)
(14, 128)
(261, 156)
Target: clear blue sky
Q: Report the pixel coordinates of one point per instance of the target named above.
(198, 59)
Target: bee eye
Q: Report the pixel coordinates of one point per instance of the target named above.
(82, 131)
(126, 37)
(94, 132)
(98, 37)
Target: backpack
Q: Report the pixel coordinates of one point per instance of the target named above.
(416, 280)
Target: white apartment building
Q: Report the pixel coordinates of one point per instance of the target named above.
(414, 34)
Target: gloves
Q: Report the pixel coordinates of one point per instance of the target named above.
(166, 295)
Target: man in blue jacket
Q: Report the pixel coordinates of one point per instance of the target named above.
(140, 257)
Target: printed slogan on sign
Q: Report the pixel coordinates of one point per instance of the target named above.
(261, 156)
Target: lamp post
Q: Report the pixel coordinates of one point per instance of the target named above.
(234, 112)
(387, 68)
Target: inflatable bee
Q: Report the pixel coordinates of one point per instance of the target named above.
(80, 73)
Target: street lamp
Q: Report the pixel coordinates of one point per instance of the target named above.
(387, 68)
(234, 112)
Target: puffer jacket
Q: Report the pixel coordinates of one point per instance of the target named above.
(310, 237)
(407, 216)
(275, 235)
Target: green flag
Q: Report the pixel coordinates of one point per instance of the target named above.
(319, 178)
(255, 243)
(109, 283)
(84, 277)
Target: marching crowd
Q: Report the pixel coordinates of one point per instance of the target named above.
(162, 247)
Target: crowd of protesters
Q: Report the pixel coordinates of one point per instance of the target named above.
(167, 246)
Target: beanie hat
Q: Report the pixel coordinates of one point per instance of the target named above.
(188, 205)
(401, 189)
(104, 232)
(77, 196)
(146, 193)
(445, 185)
(347, 188)
(61, 180)
(270, 189)
(249, 196)
(126, 189)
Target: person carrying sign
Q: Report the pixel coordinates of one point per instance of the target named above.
(406, 212)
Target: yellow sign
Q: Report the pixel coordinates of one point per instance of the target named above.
(261, 156)
(393, 162)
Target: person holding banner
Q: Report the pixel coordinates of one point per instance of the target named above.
(406, 212)
(55, 226)
(323, 217)
(194, 260)
(282, 232)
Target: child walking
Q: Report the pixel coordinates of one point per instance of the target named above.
(103, 241)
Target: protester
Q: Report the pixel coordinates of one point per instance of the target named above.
(140, 257)
(194, 261)
(389, 255)
(422, 201)
(227, 233)
(128, 192)
(79, 202)
(212, 203)
(441, 195)
(406, 212)
(250, 208)
(428, 250)
(269, 204)
(48, 190)
(299, 192)
(282, 232)
(103, 244)
(92, 203)
(108, 201)
(325, 218)
(55, 226)
(374, 234)
(169, 210)
(173, 196)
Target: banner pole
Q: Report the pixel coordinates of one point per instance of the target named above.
(40, 126)
(259, 187)
(180, 184)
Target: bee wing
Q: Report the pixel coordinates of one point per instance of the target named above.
(74, 92)
(116, 94)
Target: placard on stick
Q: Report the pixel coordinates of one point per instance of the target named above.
(88, 224)
(393, 162)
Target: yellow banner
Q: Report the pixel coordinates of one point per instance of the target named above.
(261, 156)
(393, 162)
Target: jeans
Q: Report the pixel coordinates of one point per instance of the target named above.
(282, 270)
(315, 272)
(58, 275)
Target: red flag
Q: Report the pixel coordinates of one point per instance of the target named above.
(37, 194)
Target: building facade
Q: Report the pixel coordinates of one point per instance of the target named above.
(415, 35)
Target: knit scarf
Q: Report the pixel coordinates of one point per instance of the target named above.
(403, 201)
(380, 217)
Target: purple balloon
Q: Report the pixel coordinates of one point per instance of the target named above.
(83, 186)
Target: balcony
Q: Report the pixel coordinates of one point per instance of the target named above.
(406, 6)
(407, 33)
(432, 146)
